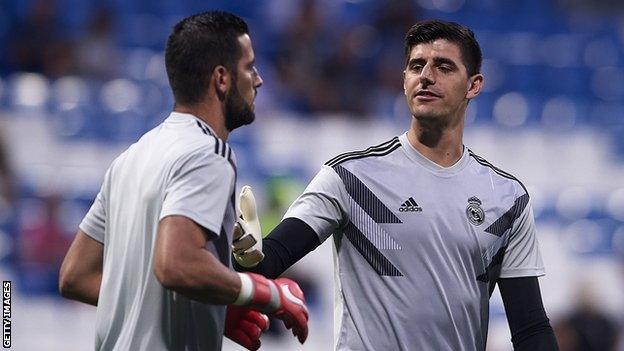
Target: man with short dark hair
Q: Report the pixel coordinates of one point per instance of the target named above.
(153, 252)
(423, 228)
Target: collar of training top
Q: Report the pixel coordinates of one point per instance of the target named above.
(179, 117)
(433, 167)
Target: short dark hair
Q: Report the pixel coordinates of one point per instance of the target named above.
(428, 31)
(196, 46)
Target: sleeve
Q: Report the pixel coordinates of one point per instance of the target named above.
(284, 246)
(522, 257)
(94, 222)
(323, 205)
(528, 323)
(200, 189)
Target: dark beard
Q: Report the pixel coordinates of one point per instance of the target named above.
(237, 111)
(430, 130)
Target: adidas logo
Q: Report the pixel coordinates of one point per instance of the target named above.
(410, 206)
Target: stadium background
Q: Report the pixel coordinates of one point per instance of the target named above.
(81, 80)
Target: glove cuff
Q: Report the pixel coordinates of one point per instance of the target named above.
(258, 292)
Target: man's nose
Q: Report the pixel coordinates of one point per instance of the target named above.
(258, 80)
(427, 76)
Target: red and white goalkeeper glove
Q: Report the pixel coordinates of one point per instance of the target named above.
(281, 297)
(244, 326)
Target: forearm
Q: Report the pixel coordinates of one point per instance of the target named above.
(202, 277)
(290, 241)
(538, 337)
(86, 289)
(275, 260)
(529, 325)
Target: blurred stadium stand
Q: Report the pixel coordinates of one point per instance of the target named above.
(81, 80)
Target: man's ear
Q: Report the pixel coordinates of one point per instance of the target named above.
(475, 84)
(222, 79)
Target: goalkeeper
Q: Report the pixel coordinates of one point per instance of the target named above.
(153, 252)
(423, 228)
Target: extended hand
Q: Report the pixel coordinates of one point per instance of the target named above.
(247, 243)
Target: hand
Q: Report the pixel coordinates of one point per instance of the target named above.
(293, 312)
(281, 297)
(244, 326)
(247, 243)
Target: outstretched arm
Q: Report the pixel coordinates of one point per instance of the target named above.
(320, 211)
(289, 242)
(529, 325)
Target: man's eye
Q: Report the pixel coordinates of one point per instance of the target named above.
(445, 68)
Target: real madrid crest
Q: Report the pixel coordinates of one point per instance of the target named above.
(475, 213)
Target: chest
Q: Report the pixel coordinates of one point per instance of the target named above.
(433, 213)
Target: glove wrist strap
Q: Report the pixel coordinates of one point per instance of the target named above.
(246, 291)
(258, 292)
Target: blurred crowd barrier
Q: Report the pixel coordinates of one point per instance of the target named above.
(80, 81)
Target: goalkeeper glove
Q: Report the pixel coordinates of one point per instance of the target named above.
(247, 243)
(244, 326)
(281, 297)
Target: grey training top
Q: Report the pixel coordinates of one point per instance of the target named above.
(418, 247)
(178, 168)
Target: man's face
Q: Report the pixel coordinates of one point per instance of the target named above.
(239, 101)
(436, 82)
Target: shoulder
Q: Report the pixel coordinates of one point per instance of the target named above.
(220, 147)
(502, 175)
(200, 144)
(206, 156)
(202, 139)
(379, 150)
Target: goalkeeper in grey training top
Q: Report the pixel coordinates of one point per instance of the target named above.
(153, 252)
(423, 227)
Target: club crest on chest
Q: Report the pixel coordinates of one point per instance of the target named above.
(474, 212)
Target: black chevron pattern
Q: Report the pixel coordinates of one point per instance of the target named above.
(365, 198)
(373, 256)
(493, 270)
(503, 223)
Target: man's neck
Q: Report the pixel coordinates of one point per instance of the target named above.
(211, 115)
(443, 146)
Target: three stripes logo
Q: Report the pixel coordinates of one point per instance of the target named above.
(410, 206)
